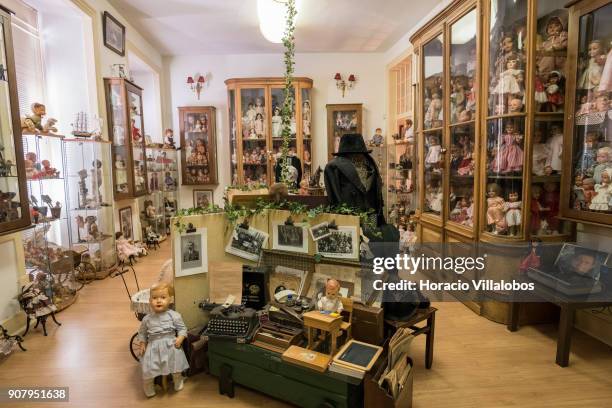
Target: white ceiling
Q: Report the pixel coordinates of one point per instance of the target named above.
(191, 27)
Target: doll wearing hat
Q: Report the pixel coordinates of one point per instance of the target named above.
(161, 336)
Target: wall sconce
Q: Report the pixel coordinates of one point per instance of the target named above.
(196, 86)
(343, 85)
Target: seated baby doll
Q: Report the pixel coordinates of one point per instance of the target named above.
(331, 302)
(161, 336)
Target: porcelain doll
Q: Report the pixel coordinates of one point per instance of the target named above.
(496, 216)
(603, 161)
(459, 213)
(602, 103)
(125, 249)
(588, 189)
(306, 117)
(331, 301)
(259, 125)
(550, 201)
(513, 213)
(605, 85)
(259, 108)
(603, 192)
(540, 95)
(466, 167)
(434, 113)
(161, 337)
(509, 157)
(509, 82)
(554, 92)
(515, 105)
(540, 154)
(556, 40)
(589, 152)
(434, 199)
(249, 117)
(591, 76)
(434, 153)
(252, 133)
(555, 148)
(506, 50)
(277, 123)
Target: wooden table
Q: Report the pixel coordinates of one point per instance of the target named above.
(315, 320)
(428, 330)
(568, 306)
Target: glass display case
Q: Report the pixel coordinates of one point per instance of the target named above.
(89, 202)
(162, 171)
(587, 151)
(47, 246)
(198, 145)
(256, 127)
(14, 210)
(126, 125)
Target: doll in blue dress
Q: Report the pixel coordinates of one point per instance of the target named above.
(161, 336)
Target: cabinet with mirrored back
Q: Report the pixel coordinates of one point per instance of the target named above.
(126, 128)
(492, 155)
(255, 106)
(14, 209)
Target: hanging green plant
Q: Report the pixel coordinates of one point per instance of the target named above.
(287, 110)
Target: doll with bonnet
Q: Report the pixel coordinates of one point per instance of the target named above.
(161, 337)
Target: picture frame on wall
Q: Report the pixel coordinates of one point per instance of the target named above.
(126, 224)
(190, 252)
(113, 33)
(290, 237)
(202, 198)
(342, 118)
(198, 145)
(342, 243)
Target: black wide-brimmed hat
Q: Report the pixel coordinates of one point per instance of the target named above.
(352, 143)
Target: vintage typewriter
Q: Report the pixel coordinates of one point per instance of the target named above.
(230, 322)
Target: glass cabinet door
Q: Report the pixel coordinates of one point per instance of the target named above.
(120, 140)
(463, 88)
(231, 94)
(433, 120)
(278, 100)
(591, 190)
(254, 141)
(505, 126)
(12, 213)
(306, 134)
(138, 143)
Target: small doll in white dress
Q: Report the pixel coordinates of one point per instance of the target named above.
(277, 123)
(591, 76)
(306, 117)
(331, 302)
(259, 125)
(161, 337)
(513, 213)
(603, 190)
(249, 116)
(510, 80)
(434, 153)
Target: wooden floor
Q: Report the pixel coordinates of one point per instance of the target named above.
(477, 363)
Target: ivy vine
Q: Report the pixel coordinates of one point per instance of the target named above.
(287, 110)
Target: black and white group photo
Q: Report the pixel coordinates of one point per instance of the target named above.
(340, 243)
(246, 243)
(319, 231)
(292, 237)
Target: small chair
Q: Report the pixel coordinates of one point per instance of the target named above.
(347, 312)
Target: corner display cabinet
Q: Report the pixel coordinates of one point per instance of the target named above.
(490, 108)
(256, 127)
(14, 211)
(126, 127)
(587, 174)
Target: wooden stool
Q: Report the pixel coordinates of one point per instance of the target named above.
(428, 330)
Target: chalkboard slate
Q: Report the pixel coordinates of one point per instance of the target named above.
(359, 354)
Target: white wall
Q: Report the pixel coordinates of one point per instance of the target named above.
(369, 90)
(150, 104)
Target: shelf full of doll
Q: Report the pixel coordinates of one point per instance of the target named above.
(433, 194)
(547, 155)
(38, 170)
(550, 60)
(255, 156)
(88, 231)
(433, 105)
(198, 174)
(433, 157)
(504, 214)
(505, 151)
(255, 176)
(253, 121)
(462, 99)
(507, 76)
(544, 209)
(44, 213)
(34, 123)
(462, 160)
(462, 209)
(594, 84)
(592, 190)
(197, 152)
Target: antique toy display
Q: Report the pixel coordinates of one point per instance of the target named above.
(161, 334)
(39, 170)
(33, 123)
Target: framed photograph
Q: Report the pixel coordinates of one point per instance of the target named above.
(246, 243)
(190, 253)
(342, 119)
(202, 198)
(320, 231)
(198, 145)
(125, 223)
(292, 238)
(114, 34)
(341, 243)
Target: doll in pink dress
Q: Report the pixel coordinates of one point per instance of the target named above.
(496, 214)
(510, 155)
(591, 76)
(513, 213)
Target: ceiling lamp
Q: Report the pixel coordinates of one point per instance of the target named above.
(271, 15)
